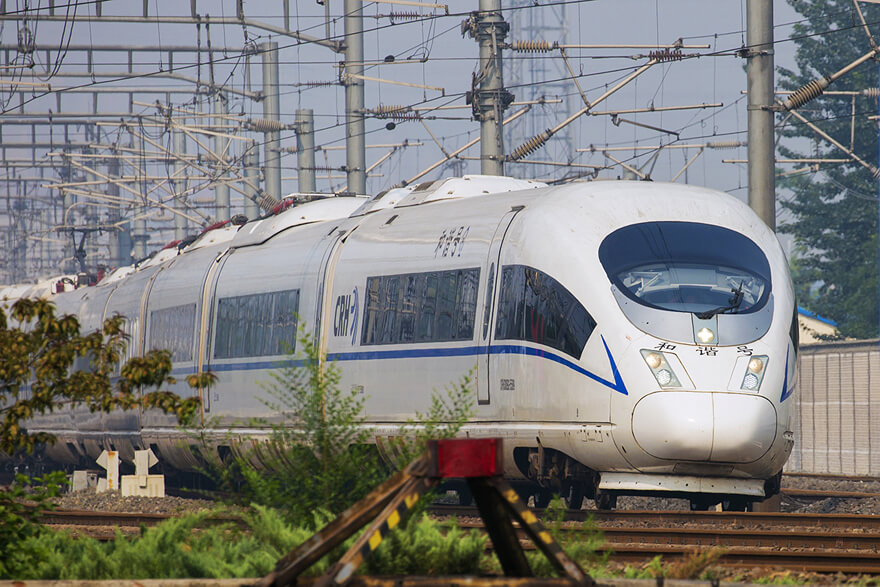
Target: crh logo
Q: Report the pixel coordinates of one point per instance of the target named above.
(345, 315)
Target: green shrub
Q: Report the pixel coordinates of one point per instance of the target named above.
(20, 508)
(192, 546)
(320, 455)
(186, 547)
(581, 542)
(425, 547)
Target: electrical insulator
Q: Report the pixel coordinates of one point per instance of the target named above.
(533, 46)
(317, 84)
(810, 91)
(725, 144)
(664, 55)
(404, 15)
(532, 145)
(871, 92)
(264, 125)
(395, 112)
(268, 202)
(26, 41)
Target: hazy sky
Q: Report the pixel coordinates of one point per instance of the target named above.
(430, 51)
(449, 63)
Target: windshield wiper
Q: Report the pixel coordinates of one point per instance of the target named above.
(733, 304)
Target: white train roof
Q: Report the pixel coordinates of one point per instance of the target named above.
(384, 200)
(254, 233)
(467, 186)
(215, 236)
(160, 257)
(119, 273)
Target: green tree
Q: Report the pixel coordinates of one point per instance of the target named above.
(42, 356)
(20, 508)
(320, 457)
(832, 212)
(47, 364)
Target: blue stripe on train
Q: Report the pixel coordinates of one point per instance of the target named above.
(423, 353)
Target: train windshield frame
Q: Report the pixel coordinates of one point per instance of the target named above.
(687, 267)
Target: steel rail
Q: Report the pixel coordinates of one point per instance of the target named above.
(657, 518)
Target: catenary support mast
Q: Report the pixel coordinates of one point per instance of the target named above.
(355, 146)
(759, 74)
(490, 100)
(305, 150)
(271, 112)
(221, 150)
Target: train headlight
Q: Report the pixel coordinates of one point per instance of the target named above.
(756, 365)
(754, 374)
(664, 377)
(659, 366)
(706, 335)
(654, 360)
(750, 382)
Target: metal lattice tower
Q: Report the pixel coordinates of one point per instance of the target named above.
(529, 76)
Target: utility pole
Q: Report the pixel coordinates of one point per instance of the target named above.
(271, 113)
(251, 161)
(221, 150)
(67, 220)
(305, 151)
(759, 75)
(179, 184)
(43, 264)
(139, 235)
(355, 129)
(120, 237)
(489, 28)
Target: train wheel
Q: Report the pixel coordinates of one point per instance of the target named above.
(736, 505)
(542, 498)
(465, 497)
(606, 501)
(575, 500)
(702, 505)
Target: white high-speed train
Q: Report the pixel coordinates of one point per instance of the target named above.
(627, 337)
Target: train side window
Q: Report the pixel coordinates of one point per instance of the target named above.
(435, 306)
(428, 309)
(408, 303)
(391, 289)
(466, 304)
(372, 311)
(173, 329)
(256, 325)
(794, 331)
(535, 307)
(446, 305)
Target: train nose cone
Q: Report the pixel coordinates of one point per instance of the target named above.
(702, 426)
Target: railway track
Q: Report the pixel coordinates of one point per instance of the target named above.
(821, 543)
(754, 520)
(820, 494)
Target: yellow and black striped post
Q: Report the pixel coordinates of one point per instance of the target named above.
(537, 532)
(405, 500)
(479, 461)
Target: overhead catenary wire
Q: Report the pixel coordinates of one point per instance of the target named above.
(329, 127)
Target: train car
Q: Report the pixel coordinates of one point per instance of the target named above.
(626, 337)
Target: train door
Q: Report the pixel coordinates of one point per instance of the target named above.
(324, 286)
(493, 279)
(206, 321)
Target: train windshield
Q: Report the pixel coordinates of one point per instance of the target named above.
(687, 267)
